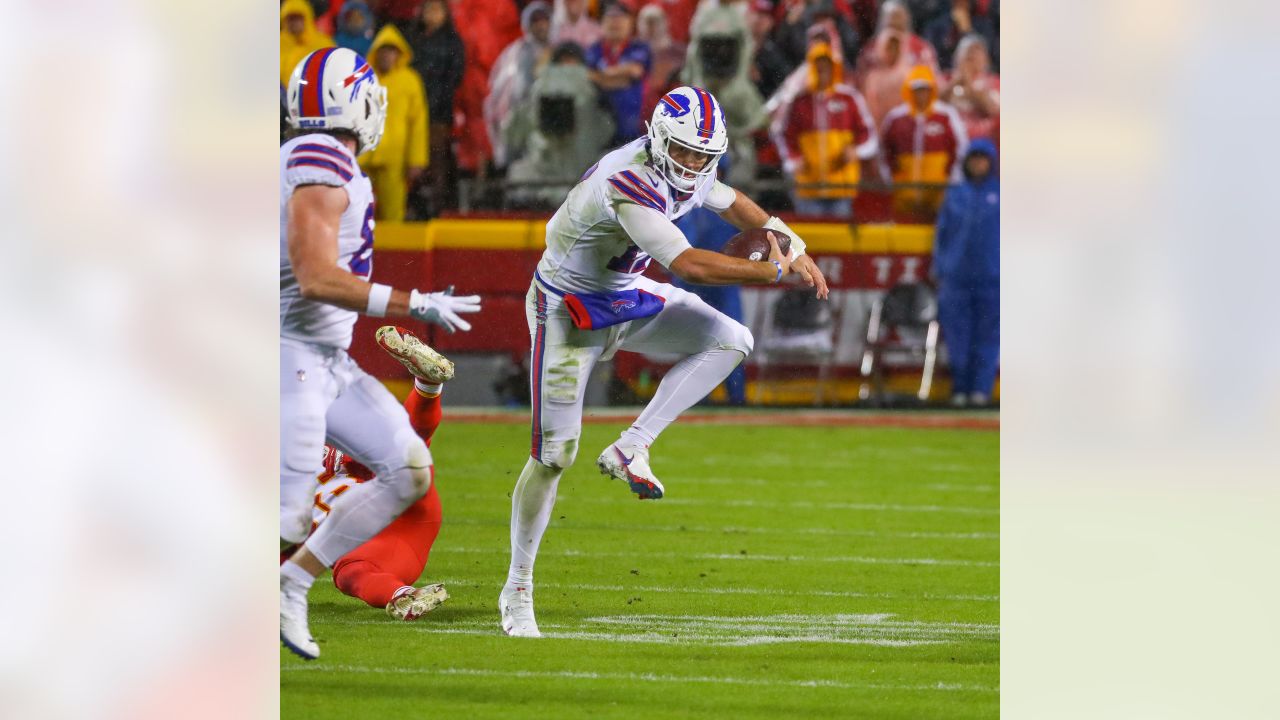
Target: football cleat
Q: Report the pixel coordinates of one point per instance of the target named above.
(410, 603)
(631, 465)
(294, 633)
(516, 606)
(418, 358)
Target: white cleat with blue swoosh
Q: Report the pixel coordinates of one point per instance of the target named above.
(630, 464)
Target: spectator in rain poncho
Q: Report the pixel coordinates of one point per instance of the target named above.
(355, 27)
(653, 27)
(973, 90)
(823, 32)
(966, 264)
(890, 55)
(298, 36)
(511, 79)
(719, 60)
(401, 155)
(572, 23)
(567, 129)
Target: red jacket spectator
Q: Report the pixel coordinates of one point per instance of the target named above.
(828, 131)
(487, 28)
(922, 139)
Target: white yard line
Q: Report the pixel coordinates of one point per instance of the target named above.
(772, 504)
(853, 560)
(634, 677)
(628, 527)
(699, 590)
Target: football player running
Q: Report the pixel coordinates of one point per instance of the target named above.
(588, 299)
(337, 110)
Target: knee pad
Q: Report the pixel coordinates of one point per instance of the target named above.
(421, 471)
(559, 455)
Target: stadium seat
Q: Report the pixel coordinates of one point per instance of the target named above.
(798, 329)
(905, 306)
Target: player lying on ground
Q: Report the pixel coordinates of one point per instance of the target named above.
(588, 300)
(382, 571)
(337, 110)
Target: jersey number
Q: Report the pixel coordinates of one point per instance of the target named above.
(362, 260)
(633, 260)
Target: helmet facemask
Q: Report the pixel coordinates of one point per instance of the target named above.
(370, 128)
(682, 177)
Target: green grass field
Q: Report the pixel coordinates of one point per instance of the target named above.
(789, 572)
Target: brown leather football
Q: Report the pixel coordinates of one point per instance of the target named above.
(752, 244)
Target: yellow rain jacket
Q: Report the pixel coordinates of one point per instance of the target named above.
(922, 146)
(295, 47)
(822, 124)
(404, 141)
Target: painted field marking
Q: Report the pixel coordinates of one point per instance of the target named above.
(773, 504)
(712, 590)
(695, 481)
(636, 677)
(878, 629)
(750, 530)
(855, 560)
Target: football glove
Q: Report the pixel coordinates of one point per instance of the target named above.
(443, 308)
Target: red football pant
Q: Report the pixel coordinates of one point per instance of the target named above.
(397, 556)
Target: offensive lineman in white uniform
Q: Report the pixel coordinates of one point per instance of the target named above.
(337, 108)
(588, 299)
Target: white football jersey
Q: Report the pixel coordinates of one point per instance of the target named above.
(587, 249)
(320, 159)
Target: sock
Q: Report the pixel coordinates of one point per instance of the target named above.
(692, 379)
(296, 574)
(531, 504)
(394, 557)
(366, 581)
(426, 389)
(425, 412)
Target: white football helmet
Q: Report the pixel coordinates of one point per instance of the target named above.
(691, 118)
(335, 89)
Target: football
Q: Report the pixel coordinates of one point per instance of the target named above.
(754, 245)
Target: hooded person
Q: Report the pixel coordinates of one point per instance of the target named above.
(354, 27)
(719, 59)
(828, 134)
(567, 131)
(298, 36)
(572, 23)
(401, 155)
(440, 58)
(966, 266)
(654, 27)
(922, 139)
(511, 79)
(887, 58)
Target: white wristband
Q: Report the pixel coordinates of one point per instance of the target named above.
(775, 223)
(379, 297)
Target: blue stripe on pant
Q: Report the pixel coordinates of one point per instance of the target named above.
(535, 375)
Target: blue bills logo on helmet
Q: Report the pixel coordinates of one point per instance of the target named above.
(676, 105)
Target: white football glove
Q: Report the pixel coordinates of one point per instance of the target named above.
(443, 308)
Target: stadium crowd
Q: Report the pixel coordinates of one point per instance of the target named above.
(822, 97)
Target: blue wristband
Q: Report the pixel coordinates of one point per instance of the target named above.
(779, 277)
